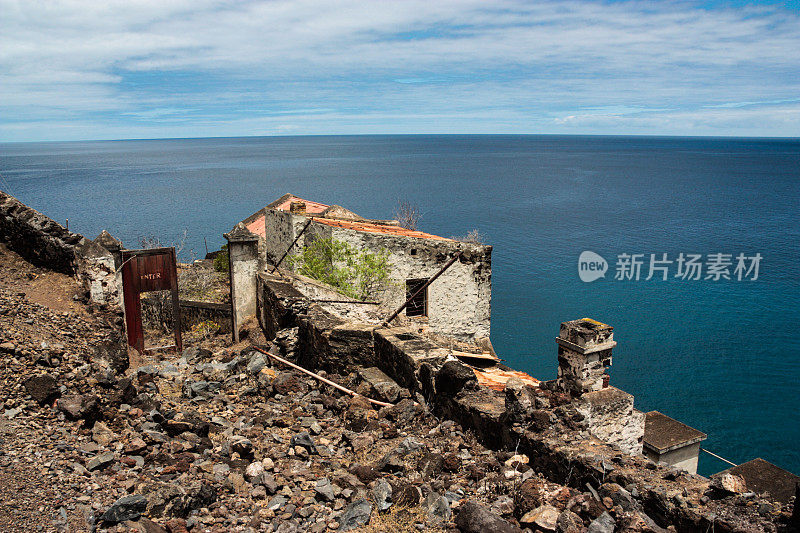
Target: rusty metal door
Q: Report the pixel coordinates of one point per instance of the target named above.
(146, 271)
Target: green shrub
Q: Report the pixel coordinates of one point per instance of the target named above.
(221, 260)
(356, 273)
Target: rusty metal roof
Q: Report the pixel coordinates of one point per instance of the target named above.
(311, 207)
(258, 227)
(385, 229)
(256, 223)
(495, 378)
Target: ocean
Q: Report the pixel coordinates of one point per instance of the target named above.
(717, 354)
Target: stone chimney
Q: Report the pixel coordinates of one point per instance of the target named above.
(297, 208)
(584, 353)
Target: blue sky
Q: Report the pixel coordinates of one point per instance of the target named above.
(195, 68)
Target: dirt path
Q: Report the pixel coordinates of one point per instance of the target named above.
(50, 289)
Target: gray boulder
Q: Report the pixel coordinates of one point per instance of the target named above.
(382, 493)
(324, 489)
(80, 406)
(100, 461)
(381, 385)
(437, 509)
(127, 508)
(355, 515)
(602, 524)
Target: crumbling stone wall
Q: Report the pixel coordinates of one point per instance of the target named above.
(37, 238)
(465, 317)
(408, 357)
(561, 434)
(609, 415)
(278, 305)
(326, 341)
(45, 243)
(561, 445)
(156, 314)
(281, 229)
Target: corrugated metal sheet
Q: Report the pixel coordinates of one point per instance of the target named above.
(258, 227)
(378, 228)
(495, 378)
(311, 207)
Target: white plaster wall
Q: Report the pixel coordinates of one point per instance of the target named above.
(684, 458)
(459, 301)
(279, 234)
(99, 275)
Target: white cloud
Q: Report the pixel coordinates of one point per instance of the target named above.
(102, 63)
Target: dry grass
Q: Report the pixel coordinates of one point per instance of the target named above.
(473, 237)
(397, 520)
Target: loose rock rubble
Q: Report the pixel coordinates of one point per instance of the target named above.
(223, 438)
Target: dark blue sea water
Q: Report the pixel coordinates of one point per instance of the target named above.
(720, 356)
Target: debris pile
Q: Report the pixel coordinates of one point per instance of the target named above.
(223, 438)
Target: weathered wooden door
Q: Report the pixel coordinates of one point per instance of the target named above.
(144, 271)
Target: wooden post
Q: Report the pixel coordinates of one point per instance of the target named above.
(176, 304)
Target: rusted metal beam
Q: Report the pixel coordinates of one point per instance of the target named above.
(364, 302)
(320, 378)
(275, 267)
(425, 286)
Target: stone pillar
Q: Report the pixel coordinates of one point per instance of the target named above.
(244, 262)
(113, 245)
(584, 353)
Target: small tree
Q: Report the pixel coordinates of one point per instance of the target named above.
(148, 242)
(221, 263)
(356, 273)
(407, 215)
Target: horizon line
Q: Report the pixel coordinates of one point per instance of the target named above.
(618, 135)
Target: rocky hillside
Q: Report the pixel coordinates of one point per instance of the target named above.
(223, 438)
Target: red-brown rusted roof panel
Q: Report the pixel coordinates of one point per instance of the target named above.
(378, 228)
(257, 226)
(311, 207)
(495, 378)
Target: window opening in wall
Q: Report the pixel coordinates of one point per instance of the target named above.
(413, 251)
(419, 305)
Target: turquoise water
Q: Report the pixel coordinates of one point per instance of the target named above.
(719, 356)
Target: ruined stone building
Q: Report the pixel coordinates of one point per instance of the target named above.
(458, 305)
(565, 419)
